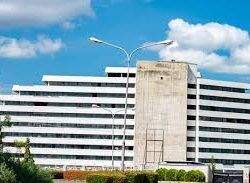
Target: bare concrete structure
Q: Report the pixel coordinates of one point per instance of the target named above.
(161, 112)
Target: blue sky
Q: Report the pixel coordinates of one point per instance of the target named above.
(44, 41)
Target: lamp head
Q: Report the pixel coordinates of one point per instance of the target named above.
(166, 42)
(132, 109)
(95, 40)
(95, 106)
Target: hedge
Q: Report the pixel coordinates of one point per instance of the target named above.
(56, 174)
(106, 177)
(141, 177)
(161, 173)
(180, 175)
(168, 174)
(123, 177)
(195, 176)
(134, 176)
(76, 174)
(151, 177)
(96, 178)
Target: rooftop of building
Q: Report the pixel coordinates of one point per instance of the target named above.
(118, 74)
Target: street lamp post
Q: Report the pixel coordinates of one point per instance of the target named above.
(128, 59)
(113, 122)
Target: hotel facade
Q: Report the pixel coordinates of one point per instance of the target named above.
(178, 116)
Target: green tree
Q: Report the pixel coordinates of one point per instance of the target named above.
(26, 145)
(25, 171)
(27, 154)
(3, 124)
(19, 145)
(29, 172)
(6, 175)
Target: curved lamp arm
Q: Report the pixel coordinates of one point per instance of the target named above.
(129, 55)
(98, 41)
(110, 111)
(165, 42)
(119, 48)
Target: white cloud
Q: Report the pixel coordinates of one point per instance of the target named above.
(210, 36)
(41, 12)
(68, 25)
(242, 54)
(22, 48)
(204, 44)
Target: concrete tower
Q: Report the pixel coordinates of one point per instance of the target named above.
(161, 112)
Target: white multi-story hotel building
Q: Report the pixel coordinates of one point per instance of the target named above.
(179, 116)
(63, 127)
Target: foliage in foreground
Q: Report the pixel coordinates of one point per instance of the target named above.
(135, 176)
(22, 171)
(56, 174)
(76, 174)
(180, 175)
(13, 170)
(123, 177)
(6, 175)
(3, 124)
(106, 178)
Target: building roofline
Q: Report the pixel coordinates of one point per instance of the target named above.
(120, 70)
(173, 61)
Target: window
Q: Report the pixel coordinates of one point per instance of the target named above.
(225, 161)
(191, 85)
(227, 120)
(191, 96)
(225, 99)
(222, 88)
(118, 116)
(191, 117)
(70, 125)
(190, 138)
(224, 130)
(72, 146)
(224, 109)
(82, 157)
(57, 135)
(190, 149)
(191, 107)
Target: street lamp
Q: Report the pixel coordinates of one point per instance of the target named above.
(113, 120)
(128, 59)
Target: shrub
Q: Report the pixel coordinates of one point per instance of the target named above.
(106, 177)
(25, 171)
(167, 174)
(141, 177)
(6, 175)
(171, 175)
(195, 176)
(161, 174)
(28, 172)
(151, 177)
(118, 178)
(96, 178)
(76, 174)
(181, 175)
(56, 174)
(135, 176)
